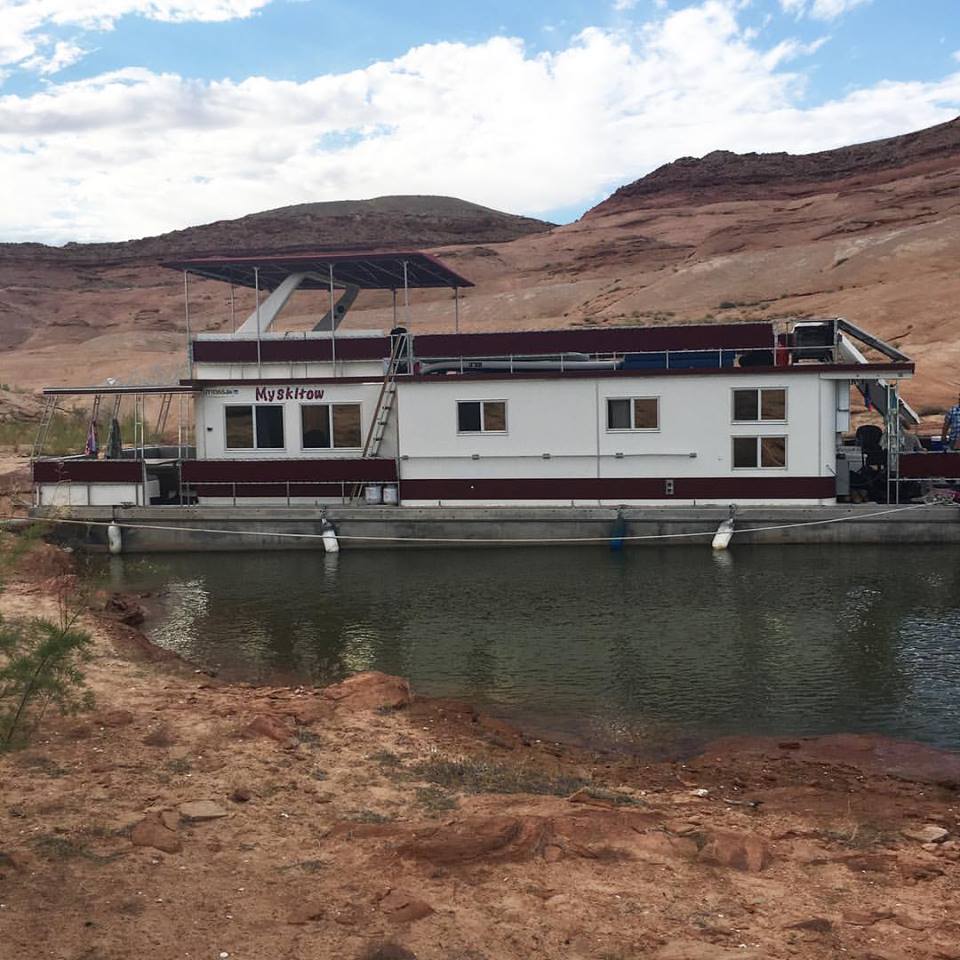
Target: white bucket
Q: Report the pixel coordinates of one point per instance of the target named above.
(372, 493)
(391, 495)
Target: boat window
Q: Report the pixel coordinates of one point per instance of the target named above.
(494, 416)
(633, 413)
(646, 413)
(346, 425)
(752, 452)
(254, 427)
(269, 427)
(481, 416)
(773, 451)
(315, 423)
(618, 414)
(326, 425)
(752, 405)
(239, 427)
(468, 416)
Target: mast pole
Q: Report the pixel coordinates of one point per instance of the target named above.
(186, 315)
(333, 324)
(256, 285)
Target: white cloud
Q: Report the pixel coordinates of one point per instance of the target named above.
(64, 53)
(820, 9)
(23, 40)
(133, 152)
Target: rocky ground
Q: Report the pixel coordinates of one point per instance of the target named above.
(190, 818)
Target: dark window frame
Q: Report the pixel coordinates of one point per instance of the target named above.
(758, 452)
(333, 445)
(482, 418)
(255, 427)
(758, 393)
(632, 408)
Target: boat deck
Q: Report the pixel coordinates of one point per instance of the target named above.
(206, 528)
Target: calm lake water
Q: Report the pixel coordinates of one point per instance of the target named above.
(647, 648)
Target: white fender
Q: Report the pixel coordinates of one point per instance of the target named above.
(723, 536)
(114, 539)
(330, 542)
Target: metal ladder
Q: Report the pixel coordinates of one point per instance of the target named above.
(46, 418)
(388, 393)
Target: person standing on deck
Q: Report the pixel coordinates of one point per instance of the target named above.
(951, 427)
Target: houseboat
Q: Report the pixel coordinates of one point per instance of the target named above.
(642, 434)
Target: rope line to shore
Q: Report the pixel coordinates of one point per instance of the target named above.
(123, 524)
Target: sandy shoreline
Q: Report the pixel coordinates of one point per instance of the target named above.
(192, 818)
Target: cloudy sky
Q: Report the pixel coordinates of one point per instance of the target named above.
(126, 118)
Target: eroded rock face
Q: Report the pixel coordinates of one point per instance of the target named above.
(304, 913)
(741, 851)
(475, 838)
(114, 718)
(198, 810)
(696, 950)
(729, 175)
(153, 832)
(124, 609)
(370, 690)
(404, 907)
(270, 727)
(926, 833)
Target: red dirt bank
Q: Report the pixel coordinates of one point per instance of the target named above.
(188, 818)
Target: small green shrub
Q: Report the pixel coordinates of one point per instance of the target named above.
(39, 668)
(370, 816)
(435, 799)
(385, 758)
(40, 662)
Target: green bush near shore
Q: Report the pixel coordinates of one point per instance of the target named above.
(40, 659)
(67, 434)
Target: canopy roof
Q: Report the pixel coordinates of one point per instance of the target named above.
(370, 270)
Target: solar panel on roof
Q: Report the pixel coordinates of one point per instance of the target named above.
(374, 270)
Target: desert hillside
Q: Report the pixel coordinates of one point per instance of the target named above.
(84, 312)
(870, 232)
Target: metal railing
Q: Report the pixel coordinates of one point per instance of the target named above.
(195, 488)
(670, 359)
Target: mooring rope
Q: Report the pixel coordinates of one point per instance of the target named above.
(129, 525)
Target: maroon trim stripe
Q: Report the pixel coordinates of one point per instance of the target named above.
(290, 351)
(621, 488)
(920, 465)
(87, 471)
(702, 336)
(333, 469)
